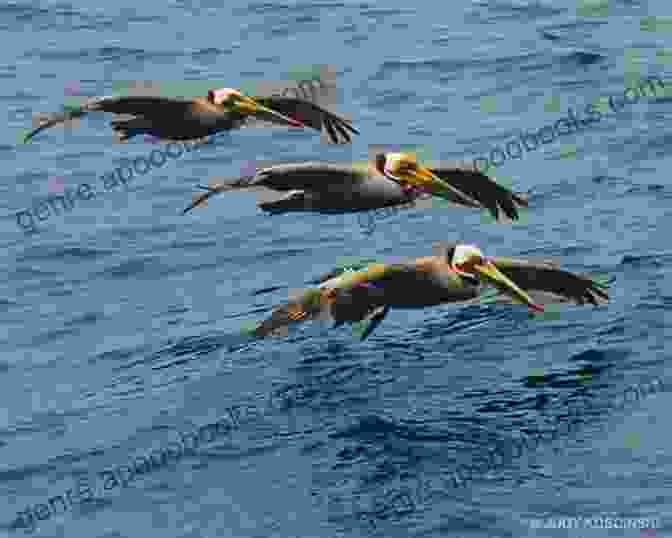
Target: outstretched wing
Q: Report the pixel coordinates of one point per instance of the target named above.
(354, 265)
(313, 176)
(148, 106)
(351, 296)
(311, 304)
(540, 275)
(339, 129)
(210, 190)
(464, 176)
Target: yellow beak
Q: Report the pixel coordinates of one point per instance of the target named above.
(490, 273)
(426, 179)
(248, 105)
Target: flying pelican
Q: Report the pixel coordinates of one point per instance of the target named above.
(387, 180)
(459, 274)
(224, 109)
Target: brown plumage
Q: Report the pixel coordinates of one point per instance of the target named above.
(387, 180)
(367, 291)
(174, 118)
(338, 129)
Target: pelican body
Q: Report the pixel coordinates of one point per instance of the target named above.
(388, 180)
(223, 109)
(367, 293)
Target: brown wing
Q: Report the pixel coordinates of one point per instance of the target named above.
(354, 264)
(344, 298)
(466, 178)
(339, 129)
(307, 176)
(309, 305)
(543, 276)
(147, 106)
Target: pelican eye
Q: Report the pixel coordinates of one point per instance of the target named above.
(468, 265)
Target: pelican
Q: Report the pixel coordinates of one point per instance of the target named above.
(459, 274)
(389, 179)
(223, 109)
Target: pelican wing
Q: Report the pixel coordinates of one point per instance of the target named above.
(553, 283)
(148, 106)
(211, 190)
(308, 306)
(311, 176)
(339, 129)
(354, 297)
(355, 265)
(463, 176)
(308, 176)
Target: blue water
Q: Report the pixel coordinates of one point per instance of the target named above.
(122, 318)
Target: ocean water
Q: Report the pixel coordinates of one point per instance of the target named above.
(121, 318)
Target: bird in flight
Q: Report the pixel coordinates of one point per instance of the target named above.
(194, 118)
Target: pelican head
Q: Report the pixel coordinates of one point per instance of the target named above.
(233, 100)
(469, 260)
(403, 169)
(223, 96)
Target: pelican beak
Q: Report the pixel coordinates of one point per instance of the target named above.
(426, 180)
(489, 272)
(248, 105)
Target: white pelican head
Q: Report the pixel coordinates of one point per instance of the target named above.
(469, 261)
(220, 96)
(403, 168)
(233, 100)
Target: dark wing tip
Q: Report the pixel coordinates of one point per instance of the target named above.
(600, 291)
(505, 198)
(335, 126)
(509, 200)
(69, 113)
(200, 199)
(313, 116)
(483, 189)
(521, 198)
(374, 320)
(586, 289)
(508, 207)
(494, 210)
(597, 288)
(341, 130)
(333, 123)
(342, 125)
(38, 129)
(331, 131)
